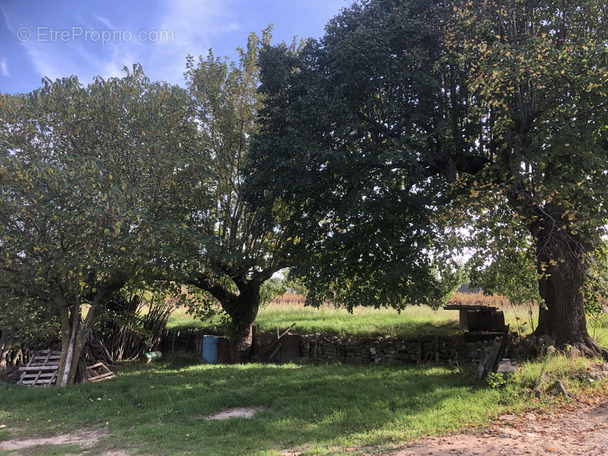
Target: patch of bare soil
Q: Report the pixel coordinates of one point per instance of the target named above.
(582, 430)
(84, 439)
(87, 439)
(239, 412)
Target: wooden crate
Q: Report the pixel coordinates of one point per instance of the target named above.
(98, 372)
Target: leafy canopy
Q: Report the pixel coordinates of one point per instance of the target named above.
(90, 186)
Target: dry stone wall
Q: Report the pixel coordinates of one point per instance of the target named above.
(391, 351)
(319, 348)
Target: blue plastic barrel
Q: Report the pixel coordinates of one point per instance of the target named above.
(210, 349)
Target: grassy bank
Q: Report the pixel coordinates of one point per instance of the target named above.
(161, 408)
(412, 322)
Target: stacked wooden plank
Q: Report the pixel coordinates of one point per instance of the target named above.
(41, 370)
(492, 360)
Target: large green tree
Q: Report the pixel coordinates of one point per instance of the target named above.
(234, 250)
(387, 130)
(359, 135)
(88, 195)
(537, 75)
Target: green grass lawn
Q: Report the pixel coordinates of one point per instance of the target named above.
(160, 408)
(412, 322)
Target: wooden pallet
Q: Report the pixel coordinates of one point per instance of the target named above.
(41, 370)
(99, 372)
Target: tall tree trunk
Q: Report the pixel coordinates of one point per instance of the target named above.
(242, 308)
(74, 333)
(3, 349)
(67, 374)
(563, 267)
(66, 332)
(243, 313)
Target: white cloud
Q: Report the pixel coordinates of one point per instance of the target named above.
(195, 21)
(4, 68)
(6, 19)
(194, 26)
(44, 61)
(83, 57)
(104, 21)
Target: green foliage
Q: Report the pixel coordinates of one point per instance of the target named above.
(295, 285)
(26, 321)
(502, 256)
(234, 248)
(89, 192)
(412, 125)
(226, 99)
(536, 71)
(538, 75)
(272, 288)
(496, 380)
(596, 286)
(345, 121)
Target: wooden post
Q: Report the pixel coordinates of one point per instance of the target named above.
(173, 343)
(436, 343)
(3, 352)
(490, 360)
(463, 321)
(255, 341)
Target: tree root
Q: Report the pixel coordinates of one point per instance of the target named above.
(588, 348)
(585, 345)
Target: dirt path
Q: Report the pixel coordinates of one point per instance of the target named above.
(582, 430)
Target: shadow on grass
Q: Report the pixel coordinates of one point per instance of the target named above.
(161, 407)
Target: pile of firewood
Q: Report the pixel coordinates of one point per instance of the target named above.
(132, 328)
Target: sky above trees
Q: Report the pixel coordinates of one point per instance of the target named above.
(88, 38)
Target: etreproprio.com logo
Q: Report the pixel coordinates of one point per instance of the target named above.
(45, 34)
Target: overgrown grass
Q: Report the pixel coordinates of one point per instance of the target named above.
(181, 320)
(412, 322)
(160, 408)
(598, 328)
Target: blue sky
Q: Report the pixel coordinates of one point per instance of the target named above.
(42, 38)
